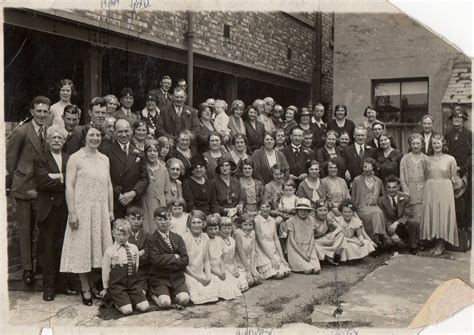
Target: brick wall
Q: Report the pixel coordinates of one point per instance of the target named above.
(327, 59)
(256, 38)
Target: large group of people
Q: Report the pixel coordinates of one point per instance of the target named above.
(176, 204)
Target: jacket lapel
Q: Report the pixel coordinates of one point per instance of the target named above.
(119, 153)
(33, 136)
(388, 205)
(53, 166)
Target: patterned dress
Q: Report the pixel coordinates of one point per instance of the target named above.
(84, 247)
(412, 179)
(326, 246)
(303, 234)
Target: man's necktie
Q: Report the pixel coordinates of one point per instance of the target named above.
(40, 135)
(124, 148)
(129, 261)
(361, 152)
(168, 242)
(394, 203)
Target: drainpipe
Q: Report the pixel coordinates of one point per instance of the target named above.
(190, 38)
(317, 73)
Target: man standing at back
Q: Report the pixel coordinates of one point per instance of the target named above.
(177, 116)
(26, 143)
(125, 111)
(128, 172)
(163, 94)
(355, 153)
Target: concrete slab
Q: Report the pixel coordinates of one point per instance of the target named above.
(392, 295)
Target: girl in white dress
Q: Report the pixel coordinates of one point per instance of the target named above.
(201, 284)
(178, 217)
(228, 253)
(245, 243)
(270, 261)
(227, 286)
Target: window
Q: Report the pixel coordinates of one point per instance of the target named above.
(400, 100)
(226, 31)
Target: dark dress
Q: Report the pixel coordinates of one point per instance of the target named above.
(202, 197)
(228, 196)
(323, 156)
(254, 135)
(349, 127)
(389, 165)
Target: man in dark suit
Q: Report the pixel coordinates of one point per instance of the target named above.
(320, 126)
(395, 206)
(71, 117)
(127, 171)
(296, 155)
(26, 143)
(355, 153)
(125, 111)
(163, 93)
(97, 113)
(427, 133)
(459, 143)
(50, 174)
(177, 117)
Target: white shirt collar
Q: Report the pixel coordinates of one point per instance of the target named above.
(36, 126)
(164, 236)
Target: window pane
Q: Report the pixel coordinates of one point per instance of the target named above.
(414, 101)
(387, 101)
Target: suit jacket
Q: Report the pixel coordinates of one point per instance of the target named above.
(296, 162)
(167, 122)
(163, 100)
(352, 160)
(120, 114)
(402, 212)
(73, 142)
(23, 147)
(461, 148)
(163, 262)
(428, 152)
(254, 135)
(262, 169)
(51, 192)
(373, 145)
(127, 173)
(140, 242)
(319, 134)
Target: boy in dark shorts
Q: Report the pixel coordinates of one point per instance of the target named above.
(168, 259)
(119, 271)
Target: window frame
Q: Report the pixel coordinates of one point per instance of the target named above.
(375, 82)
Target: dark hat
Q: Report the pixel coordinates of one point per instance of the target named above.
(161, 212)
(196, 160)
(225, 159)
(304, 111)
(151, 96)
(127, 91)
(458, 112)
(319, 203)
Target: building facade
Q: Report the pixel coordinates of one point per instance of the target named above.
(244, 55)
(399, 66)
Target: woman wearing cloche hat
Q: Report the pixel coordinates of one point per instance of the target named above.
(302, 254)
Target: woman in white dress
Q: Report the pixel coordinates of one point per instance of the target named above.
(89, 197)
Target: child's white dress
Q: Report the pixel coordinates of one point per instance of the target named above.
(350, 248)
(178, 225)
(197, 248)
(228, 288)
(263, 263)
(230, 263)
(303, 233)
(247, 249)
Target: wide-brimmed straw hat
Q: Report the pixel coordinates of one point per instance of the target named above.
(303, 203)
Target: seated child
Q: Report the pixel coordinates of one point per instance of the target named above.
(286, 206)
(178, 216)
(228, 253)
(168, 259)
(138, 236)
(199, 280)
(245, 243)
(119, 271)
(302, 254)
(227, 285)
(356, 244)
(395, 205)
(270, 261)
(274, 189)
(327, 238)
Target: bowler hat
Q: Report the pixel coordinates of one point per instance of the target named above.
(196, 160)
(303, 203)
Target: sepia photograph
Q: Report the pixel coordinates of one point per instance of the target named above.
(237, 167)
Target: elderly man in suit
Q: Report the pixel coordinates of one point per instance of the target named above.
(125, 111)
(97, 113)
(26, 143)
(296, 155)
(127, 171)
(177, 117)
(50, 174)
(459, 143)
(355, 153)
(395, 206)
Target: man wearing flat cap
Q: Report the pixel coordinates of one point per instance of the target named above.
(125, 111)
(459, 143)
(151, 113)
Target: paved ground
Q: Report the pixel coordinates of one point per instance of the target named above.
(405, 283)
